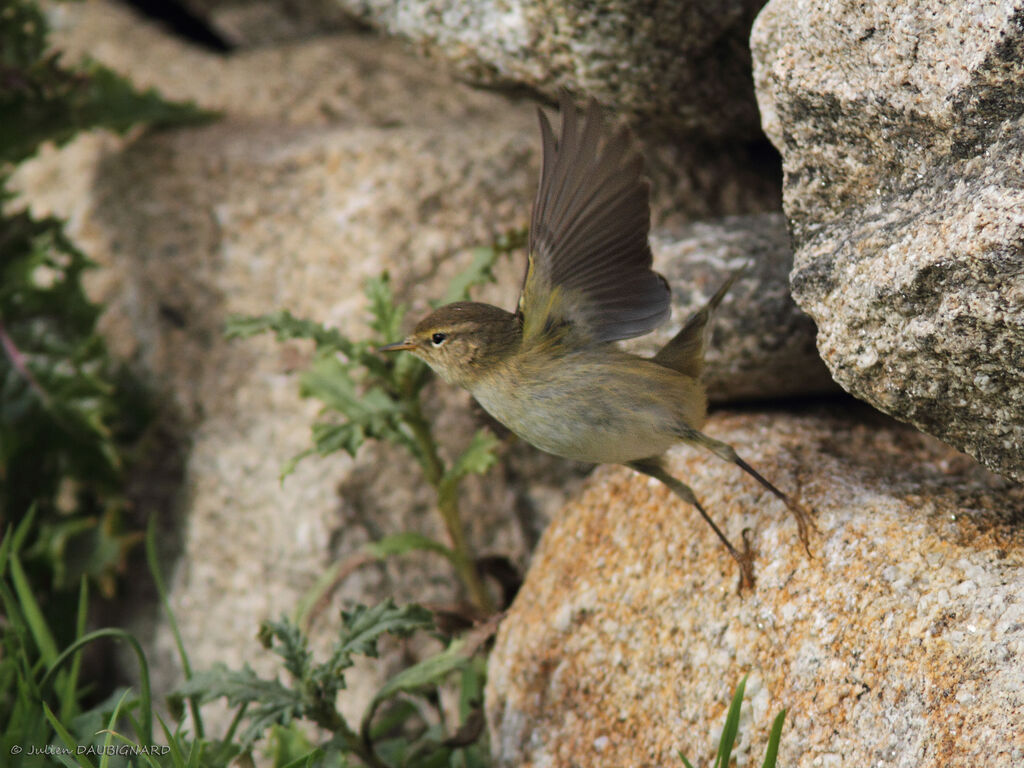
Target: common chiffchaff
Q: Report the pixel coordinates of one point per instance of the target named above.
(550, 371)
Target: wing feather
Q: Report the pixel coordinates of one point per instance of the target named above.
(589, 269)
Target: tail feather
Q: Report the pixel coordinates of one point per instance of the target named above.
(685, 352)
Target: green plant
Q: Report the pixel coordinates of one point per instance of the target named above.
(41, 689)
(368, 396)
(67, 411)
(731, 730)
(44, 721)
(393, 731)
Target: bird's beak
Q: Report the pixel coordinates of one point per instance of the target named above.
(397, 346)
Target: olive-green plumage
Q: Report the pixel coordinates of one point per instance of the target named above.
(550, 371)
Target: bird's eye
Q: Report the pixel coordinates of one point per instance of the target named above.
(438, 339)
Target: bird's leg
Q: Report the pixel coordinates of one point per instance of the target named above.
(745, 560)
(804, 523)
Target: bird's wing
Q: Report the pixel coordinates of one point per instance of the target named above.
(589, 270)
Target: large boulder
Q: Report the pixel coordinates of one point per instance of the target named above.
(899, 642)
(902, 138)
(684, 65)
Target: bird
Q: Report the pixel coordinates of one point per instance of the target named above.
(551, 371)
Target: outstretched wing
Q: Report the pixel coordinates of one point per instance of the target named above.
(589, 270)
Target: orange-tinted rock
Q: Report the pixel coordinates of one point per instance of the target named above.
(900, 642)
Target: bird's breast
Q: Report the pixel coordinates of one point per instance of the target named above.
(590, 407)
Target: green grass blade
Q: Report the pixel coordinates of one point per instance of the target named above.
(69, 741)
(69, 693)
(145, 695)
(732, 727)
(110, 731)
(161, 588)
(774, 736)
(30, 609)
(174, 743)
(150, 760)
(6, 547)
(686, 762)
(21, 532)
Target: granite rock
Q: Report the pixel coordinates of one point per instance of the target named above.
(902, 138)
(683, 65)
(257, 23)
(899, 643)
(760, 345)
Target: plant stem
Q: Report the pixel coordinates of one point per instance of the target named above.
(21, 365)
(327, 717)
(448, 506)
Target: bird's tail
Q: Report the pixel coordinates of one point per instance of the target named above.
(685, 352)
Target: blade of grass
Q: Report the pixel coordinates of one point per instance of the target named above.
(161, 588)
(69, 741)
(21, 532)
(30, 608)
(69, 694)
(150, 760)
(109, 730)
(173, 743)
(6, 546)
(145, 695)
(774, 736)
(732, 726)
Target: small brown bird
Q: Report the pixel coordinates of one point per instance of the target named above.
(550, 371)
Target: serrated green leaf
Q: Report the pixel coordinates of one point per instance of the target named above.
(328, 438)
(286, 640)
(428, 672)
(386, 315)
(53, 102)
(479, 455)
(269, 702)
(241, 686)
(365, 625)
(286, 326)
(331, 381)
(289, 466)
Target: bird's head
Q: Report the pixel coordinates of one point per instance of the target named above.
(462, 341)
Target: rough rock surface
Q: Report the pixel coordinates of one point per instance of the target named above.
(250, 23)
(760, 345)
(683, 65)
(902, 137)
(901, 643)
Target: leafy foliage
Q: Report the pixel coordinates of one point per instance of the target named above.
(267, 704)
(41, 694)
(67, 411)
(40, 687)
(52, 103)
